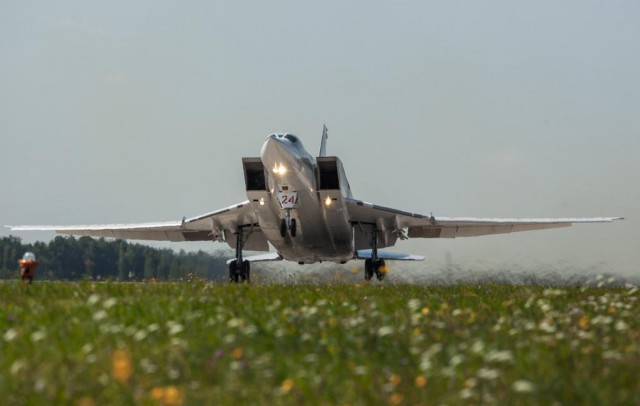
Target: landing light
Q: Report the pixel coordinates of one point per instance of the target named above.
(279, 169)
(261, 201)
(328, 201)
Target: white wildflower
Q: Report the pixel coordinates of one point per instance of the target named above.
(456, 360)
(413, 304)
(93, 299)
(178, 342)
(99, 315)
(140, 335)
(39, 385)
(499, 356)
(234, 323)
(523, 386)
(17, 366)
(309, 311)
(602, 320)
(466, 393)
(152, 327)
(488, 373)
(174, 328)
(147, 366)
(547, 327)
(477, 347)
(360, 370)
(10, 334)
(38, 336)
(109, 303)
(385, 331)
(553, 292)
(87, 348)
(621, 325)
(611, 355)
(249, 330)
(529, 302)
(543, 305)
(130, 330)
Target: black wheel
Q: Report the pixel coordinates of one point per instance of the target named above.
(233, 271)
(245, 273)
(368, 269)
(283, 228)
(380, 269)
(293, 228)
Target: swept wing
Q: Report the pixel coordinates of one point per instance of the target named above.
(421, 226)
(219, 225)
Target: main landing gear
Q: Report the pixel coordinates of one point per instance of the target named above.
(239, 273)
(378, 267)
(288, 223)
(374, 265)
(239, 270)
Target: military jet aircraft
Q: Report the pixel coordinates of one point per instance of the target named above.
(303, 206)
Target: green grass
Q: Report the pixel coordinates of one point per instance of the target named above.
(200, 343)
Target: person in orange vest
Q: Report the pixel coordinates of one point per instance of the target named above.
(28, 265)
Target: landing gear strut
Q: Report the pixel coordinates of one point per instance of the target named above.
(374, 264)
(239, 270)
(288, 223)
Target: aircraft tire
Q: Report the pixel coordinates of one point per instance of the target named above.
(233, 271)
(368, 269)
(283, 228)
(294, 227)
(246, 271)
(378, 269)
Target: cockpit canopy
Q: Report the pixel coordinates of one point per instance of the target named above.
(292, 138)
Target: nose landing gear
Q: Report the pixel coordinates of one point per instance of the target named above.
(288, 223)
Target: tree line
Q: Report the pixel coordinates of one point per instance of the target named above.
(69, 258)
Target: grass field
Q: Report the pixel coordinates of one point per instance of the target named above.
(202, 343)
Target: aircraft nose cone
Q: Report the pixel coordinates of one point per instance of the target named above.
(274, 150)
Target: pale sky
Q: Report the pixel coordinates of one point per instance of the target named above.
(126, 111)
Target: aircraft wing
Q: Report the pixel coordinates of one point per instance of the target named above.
(421, 226)
(218, 225)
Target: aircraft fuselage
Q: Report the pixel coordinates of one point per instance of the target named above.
(323, 231)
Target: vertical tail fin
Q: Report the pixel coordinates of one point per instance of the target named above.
(323, 143)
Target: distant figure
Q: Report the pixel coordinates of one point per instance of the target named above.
(28, 265)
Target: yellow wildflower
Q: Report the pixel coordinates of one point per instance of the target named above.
(237, 353)
(396, 399)
(394, 379)
(121, 367)
(85, 401)
(584, 322)
(168, 395)
(287, 385)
